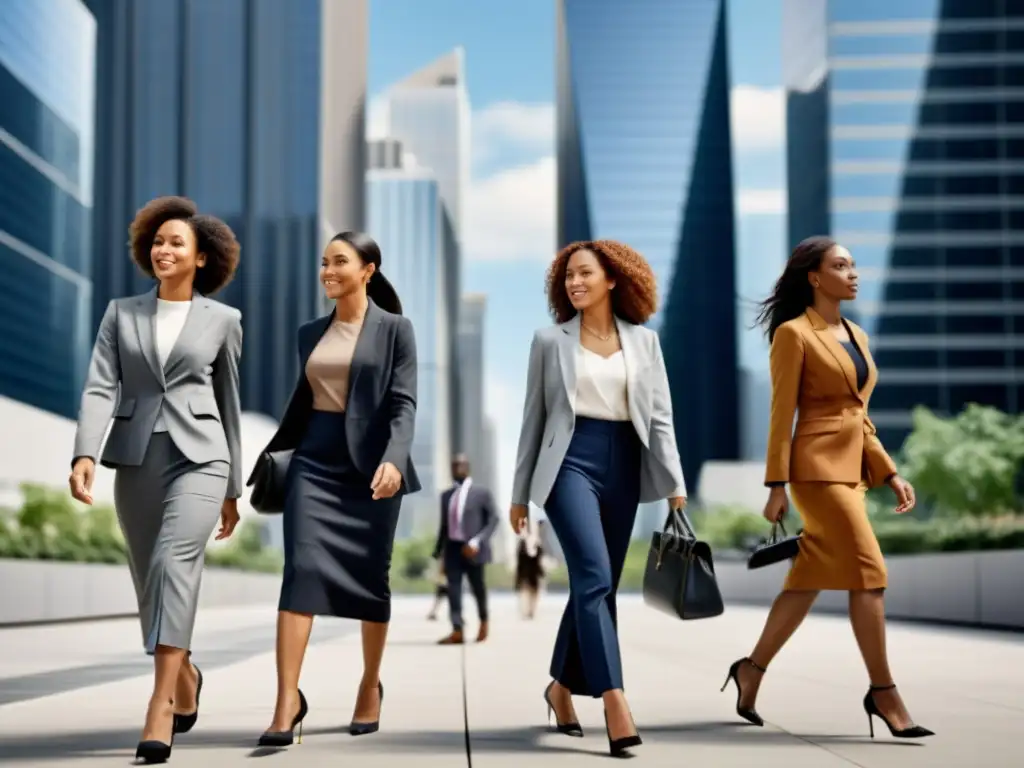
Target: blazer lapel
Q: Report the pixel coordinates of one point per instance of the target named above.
(863, 343)
(632, 359)
(145, 319)
(841, 356)
(366, 343)
(568, 347)
(193, 329)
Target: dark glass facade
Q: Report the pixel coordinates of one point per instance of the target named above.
(47, 66)
(220, 102)
(919, 116)
(644, 157)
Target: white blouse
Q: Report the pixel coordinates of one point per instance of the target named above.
(601, 386)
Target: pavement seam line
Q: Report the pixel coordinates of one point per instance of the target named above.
(465, 707)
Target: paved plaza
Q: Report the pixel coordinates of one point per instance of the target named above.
(74, 694)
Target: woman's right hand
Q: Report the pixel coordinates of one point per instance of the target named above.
(777, 505)
(517, 516)
(82, 474)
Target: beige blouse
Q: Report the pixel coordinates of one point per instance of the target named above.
(329, 365)
(601, 386)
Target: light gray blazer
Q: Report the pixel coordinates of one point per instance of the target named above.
(549, 412)
(197, 389)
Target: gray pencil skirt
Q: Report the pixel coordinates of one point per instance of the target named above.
(167, 508)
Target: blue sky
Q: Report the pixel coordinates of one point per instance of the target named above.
(509, 54)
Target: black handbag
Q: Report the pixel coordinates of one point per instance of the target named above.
(679, 578)
(269, 481)
(775, 549)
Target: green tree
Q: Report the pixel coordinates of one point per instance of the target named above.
(968, 464)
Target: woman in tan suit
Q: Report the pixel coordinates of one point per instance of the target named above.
(822, 372)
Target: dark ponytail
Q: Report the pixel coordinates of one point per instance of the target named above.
(793, 292)
(379, 289)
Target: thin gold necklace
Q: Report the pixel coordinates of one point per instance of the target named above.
(595, 333)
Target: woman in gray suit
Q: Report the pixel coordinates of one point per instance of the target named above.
(165, 369)
(350, 423)
(597, 439)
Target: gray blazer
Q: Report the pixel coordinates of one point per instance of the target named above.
(381, 406)
(197, 389)
(549, 412)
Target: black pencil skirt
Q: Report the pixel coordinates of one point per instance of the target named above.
(337, 539)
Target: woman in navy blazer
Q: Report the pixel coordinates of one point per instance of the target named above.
(350, 421)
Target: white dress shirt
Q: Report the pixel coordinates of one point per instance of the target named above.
(456, 508)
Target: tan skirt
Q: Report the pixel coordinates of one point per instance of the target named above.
(838, 550)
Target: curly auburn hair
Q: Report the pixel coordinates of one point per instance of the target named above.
(635, 297)
(213, 238)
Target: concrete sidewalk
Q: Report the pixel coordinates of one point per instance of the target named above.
(968, 686)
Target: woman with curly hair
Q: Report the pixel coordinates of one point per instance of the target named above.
(164, 378)
(823, 375)
(597, 439)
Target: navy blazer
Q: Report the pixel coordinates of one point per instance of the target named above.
(380, 411)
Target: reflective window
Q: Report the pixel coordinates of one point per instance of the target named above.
(36, 126)
(42, 215)
(43, 346)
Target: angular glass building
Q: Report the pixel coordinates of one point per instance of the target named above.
(47, 86)
(906, 144)
(644, 157)
(227, 102)
(404, 214)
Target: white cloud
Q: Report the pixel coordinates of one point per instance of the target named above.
(511, 214)
(515, 127)
(761, 202)
(758, 118)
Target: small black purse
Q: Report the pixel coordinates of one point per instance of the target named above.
(269, 481)
(775, 549)
(679, 578)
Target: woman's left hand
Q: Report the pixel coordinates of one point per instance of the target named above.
(676, 502)
(386, 481)
(905, 499)
(228, 518)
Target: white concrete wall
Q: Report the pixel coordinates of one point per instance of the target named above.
(35, 447)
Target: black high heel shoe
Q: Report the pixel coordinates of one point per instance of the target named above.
(910, 732)
(285, 738)
(569, 729)
(362, 729)
(185, 723)
(620, 747)
(747, 713)
(153, 751)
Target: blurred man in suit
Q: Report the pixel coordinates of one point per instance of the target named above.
(468, 520)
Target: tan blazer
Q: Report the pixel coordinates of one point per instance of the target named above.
(813, 376)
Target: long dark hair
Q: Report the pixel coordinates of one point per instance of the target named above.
(793, 292)
(379, 289)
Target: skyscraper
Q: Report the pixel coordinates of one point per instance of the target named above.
(405, 213)
(471, 373)
(227, 102)
(906, 144)
(47, 87)
(428, 112)
(644, 157)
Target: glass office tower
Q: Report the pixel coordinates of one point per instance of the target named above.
(404, 213)
(906, 144)
(227, 102)
(47, 87)
(644, 157)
